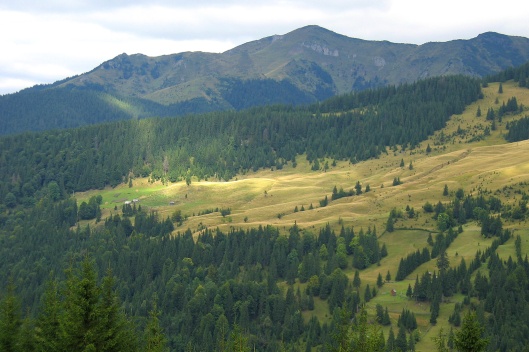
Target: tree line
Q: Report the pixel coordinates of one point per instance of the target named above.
(220, 145)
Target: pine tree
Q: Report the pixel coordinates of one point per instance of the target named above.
(478, 113)
(443, 263)
(409, 291)
(365, 337)
(390, 344)
(445, 190)
(48, 321)
(500, 88)
(358, 188)
(156, 341)
(401, 342)
(367, 294)
(401, 163)
(440, 342)
(380, 313)
(380, 282)
(79, 321)
(10, 321)
(221, 333)
(388, 277)
(469, 337)
(428, 149)
(386, 320)
(434, 309)
(90, 318)
(383, 251)
(390, 224)
(411, 343)
(356, 280)
(26, 335)
(238, 342)
(113, 329)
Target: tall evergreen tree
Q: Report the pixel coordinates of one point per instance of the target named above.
(10, 321)
(155, 339)
(114, 331)
(79, 323)
(356, 280)
(470, 337)
(48, 321)
(380, 282)
(401, 341)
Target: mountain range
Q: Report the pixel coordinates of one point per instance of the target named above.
(306, 65)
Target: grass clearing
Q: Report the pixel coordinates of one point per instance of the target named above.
(269, 197)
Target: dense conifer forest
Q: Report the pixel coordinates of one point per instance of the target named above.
(353, 127)
(134, 286)
(222, 288)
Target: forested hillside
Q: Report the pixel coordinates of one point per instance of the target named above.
(223, 289)
(304, 66)
(353, 127)
(92, 272)
(60, 108)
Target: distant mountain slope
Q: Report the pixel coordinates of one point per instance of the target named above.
(305, 65)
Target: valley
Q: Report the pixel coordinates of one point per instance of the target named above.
(238, 228)
(489, 166)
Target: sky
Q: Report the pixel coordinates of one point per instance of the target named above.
(45, 41)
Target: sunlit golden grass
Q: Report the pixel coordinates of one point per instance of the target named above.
(271, 196)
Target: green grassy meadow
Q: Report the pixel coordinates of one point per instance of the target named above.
(269, 197)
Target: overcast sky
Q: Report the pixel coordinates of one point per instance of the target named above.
(43, 41)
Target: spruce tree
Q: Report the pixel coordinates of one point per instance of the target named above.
(26, 335)
(80, 318)
(155, 340)
(380, 313)
(409, 291)
(113, 329)
(10, 320)
(470, 336)
(390, 344)
(443, 263)
(380, 282)
(367, 294)
(383, 251)
(356, 280)
(48, 321)
(411, 343)
(401, 342)
(386, 320)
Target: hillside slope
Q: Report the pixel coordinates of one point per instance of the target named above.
(199, 273)
(465, 159)
(306, 65)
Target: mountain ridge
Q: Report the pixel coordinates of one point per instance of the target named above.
(306, 65)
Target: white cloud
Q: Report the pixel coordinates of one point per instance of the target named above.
(44, 41)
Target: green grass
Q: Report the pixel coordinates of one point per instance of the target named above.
(258, 198)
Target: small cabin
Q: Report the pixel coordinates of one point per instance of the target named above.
(127, 202)
(135, 200)
(171, 203)
(393, 292)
